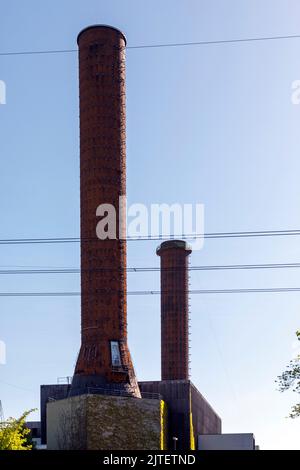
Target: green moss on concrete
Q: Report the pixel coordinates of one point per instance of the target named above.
(100, 422)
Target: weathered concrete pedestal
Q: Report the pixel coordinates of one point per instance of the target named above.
(101, 422)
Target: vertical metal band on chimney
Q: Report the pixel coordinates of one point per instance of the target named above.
(174, 309)
(104, 359)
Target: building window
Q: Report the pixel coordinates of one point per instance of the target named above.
(115, 354)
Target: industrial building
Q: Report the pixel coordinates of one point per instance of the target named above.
(105, 404)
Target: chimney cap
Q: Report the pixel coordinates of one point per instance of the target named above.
(94, 26)
(171, 244)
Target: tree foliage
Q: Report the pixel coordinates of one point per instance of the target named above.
(290, 380)
(14, 434)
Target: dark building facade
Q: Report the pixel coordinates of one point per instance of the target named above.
(47, 393)
(189, 414)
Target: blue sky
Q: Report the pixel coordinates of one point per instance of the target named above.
(210, 124)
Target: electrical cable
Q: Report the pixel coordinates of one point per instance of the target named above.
(163, 45)
(152, 269)
(212, 235)
(154, 292)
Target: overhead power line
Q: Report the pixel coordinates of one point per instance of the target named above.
(152, 269)
(43, 52)
(15, 386)
(155, 292)
(218, 41)
(163, 45)
(212, 235)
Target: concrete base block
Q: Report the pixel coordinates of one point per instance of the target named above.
(101, 422)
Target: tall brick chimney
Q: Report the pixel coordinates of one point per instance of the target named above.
(104, 359)
(174, 309)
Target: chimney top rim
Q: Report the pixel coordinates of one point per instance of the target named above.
(94, 26)
(174, 244)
